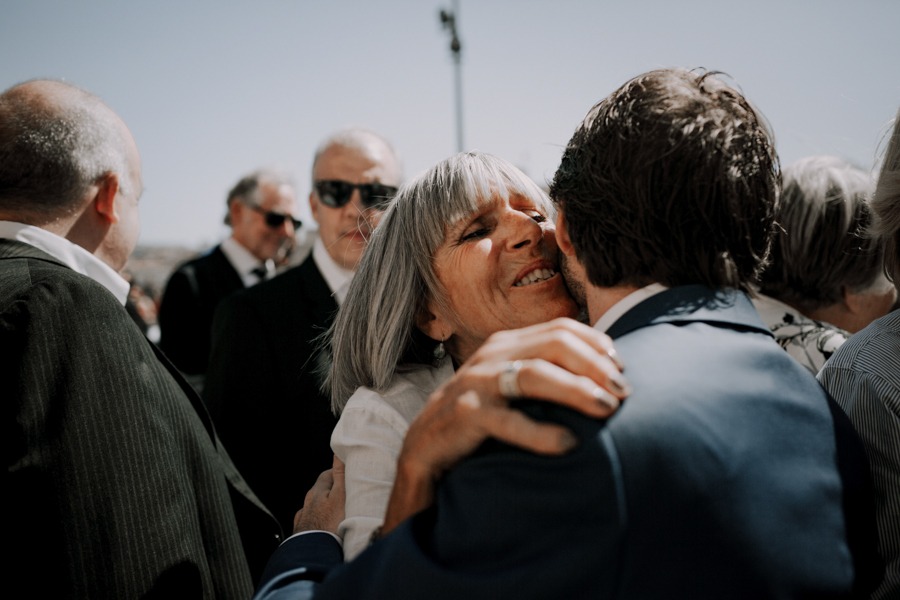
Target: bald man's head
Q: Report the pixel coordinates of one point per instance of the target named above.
(68, 164)
(56, 140)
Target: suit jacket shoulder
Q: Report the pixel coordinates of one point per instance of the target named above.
(114, 477)
(186, 310)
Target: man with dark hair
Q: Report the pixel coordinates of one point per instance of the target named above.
(116, 484)
(725, 474)
(261, 208)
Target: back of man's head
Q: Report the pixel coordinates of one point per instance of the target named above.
(673, 178)
(56, 140)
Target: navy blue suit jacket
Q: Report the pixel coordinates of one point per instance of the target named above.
(726, 474)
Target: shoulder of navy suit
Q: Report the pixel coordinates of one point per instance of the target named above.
(692, 303)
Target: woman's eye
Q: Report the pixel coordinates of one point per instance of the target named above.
(538, 217)
(475, 234)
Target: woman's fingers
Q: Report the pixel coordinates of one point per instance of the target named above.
(554, 340)
(515, 428)
(545, 381)
(568, 344)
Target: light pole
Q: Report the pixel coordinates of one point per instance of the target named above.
(448, 20)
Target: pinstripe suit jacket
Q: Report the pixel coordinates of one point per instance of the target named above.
(116, 484)
(864, 378)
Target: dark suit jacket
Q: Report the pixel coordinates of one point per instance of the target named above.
(725, 475)
(186, 310)
(262, 388)
(116, 484)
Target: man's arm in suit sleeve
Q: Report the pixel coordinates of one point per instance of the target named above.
(298, 565)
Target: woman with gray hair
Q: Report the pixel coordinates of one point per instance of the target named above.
(825, 279)
(465, 250)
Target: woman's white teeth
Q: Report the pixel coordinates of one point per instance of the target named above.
(535, 276)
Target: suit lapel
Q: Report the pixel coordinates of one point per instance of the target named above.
(316, 290)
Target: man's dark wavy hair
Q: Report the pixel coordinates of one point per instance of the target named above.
(674, 179)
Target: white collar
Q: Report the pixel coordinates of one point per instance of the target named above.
(244, 262)
(75, 257)
(337, 277)
(621, 307)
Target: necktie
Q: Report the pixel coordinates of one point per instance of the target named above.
(260, 272)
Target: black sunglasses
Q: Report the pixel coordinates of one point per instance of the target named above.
(274, 219)
(336, 193)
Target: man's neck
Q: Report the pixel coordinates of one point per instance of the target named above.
(601, 299)
(615, 302)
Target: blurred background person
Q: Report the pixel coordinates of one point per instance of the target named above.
(863, 376)
(825, 280)
(263, 387)
(261, 209)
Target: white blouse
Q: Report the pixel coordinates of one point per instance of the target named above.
(368, 438)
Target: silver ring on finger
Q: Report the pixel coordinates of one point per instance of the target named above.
(508, 380)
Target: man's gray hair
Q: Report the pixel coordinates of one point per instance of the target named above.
(375, 331)
(822, 247)
(247, 192)
(54, 147)
(354, 137)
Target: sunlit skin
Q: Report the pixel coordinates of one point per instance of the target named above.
(125, 229)
(482, 258)
(345, 231)
(249, 226)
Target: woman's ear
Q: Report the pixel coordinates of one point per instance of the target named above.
(435, 327)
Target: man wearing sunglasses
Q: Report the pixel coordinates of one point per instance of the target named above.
(262, 387)
(261, 208)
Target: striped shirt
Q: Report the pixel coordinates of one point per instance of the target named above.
(864, 377)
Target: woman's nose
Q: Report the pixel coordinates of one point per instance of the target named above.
(524, 231)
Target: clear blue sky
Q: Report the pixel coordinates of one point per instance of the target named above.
(214, 89)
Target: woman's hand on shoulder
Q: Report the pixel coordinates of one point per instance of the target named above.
(561, 361)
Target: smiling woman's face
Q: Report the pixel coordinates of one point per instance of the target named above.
(500, 269)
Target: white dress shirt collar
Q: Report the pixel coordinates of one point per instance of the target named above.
(337, 277)
(627, 303)
(245, 263)
(75, 257)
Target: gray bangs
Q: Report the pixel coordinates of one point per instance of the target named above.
(457, 187)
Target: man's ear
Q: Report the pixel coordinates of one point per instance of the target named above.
(105, 197)
(562, 236)
(432, 325)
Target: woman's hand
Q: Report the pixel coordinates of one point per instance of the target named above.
(561, 361)
(323, 507)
